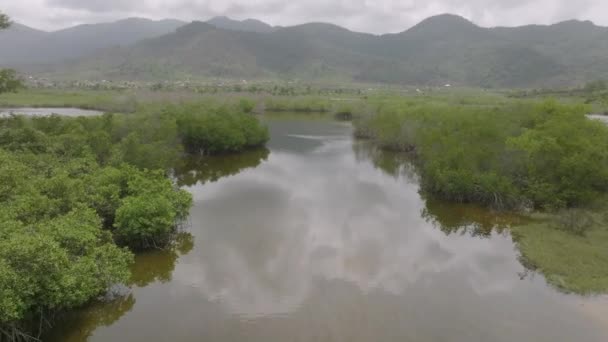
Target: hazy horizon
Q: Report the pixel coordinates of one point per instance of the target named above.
(296, 24)
(370, 16)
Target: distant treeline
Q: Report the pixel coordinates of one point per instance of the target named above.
(594, 93)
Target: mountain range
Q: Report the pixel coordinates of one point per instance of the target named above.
(439, 50)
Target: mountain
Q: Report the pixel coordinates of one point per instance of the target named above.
(446, 25)
(30, 46)
(579, 46)
(248, 25)
(439, 50)
(20, 41)
(199, 49)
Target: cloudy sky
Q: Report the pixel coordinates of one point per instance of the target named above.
(376, 16)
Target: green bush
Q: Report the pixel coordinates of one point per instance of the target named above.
(545, 154)
(70, 189)
(57, 264)
(208, 130)
(145, 221)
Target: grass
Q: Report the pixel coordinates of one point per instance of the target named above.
(571, 263)
(129, 101)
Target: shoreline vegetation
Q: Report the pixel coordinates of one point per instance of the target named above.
(136, 100)
(79, 196)
(525, 156)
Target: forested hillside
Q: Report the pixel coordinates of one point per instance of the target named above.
(30, 46)
(439, 50)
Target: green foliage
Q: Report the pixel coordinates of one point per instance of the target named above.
(518, 154)
(8, 77)
(146, 217)
(246, 105)
(207, 129)
(563, 160)
(9, 81)
(103, 100)
(144, 221)
(70, 194)
(72, 190)
(55, 264)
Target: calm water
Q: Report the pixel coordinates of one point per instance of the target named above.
(48, 111)
(321, 238)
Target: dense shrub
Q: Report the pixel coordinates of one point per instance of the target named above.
(66, 189)
(545, 154)
(206, 129)
(72, 190)
(144, 221)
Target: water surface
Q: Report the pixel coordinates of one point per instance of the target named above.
(49, 111)
(321, 238)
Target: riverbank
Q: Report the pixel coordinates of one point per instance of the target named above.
(79, 196)
(571, 262)
(539, 156)
(322, 232)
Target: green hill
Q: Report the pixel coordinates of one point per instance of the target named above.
(441, 49)
(30, 47)
(248, 25)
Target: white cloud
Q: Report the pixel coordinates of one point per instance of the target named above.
(370, 241)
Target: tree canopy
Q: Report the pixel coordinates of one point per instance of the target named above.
(544, 155)
(8, 78)
(79, 195)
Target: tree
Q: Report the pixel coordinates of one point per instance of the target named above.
(145, 221)
(4, 21)
(8, 81)
(8, 78)
(597, 85)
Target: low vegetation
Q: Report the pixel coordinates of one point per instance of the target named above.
(533, 155)
(303, 104)
(572, 262)
(540, 156)
(209, 130)
(79, 195)
(594, 94)
(107, 101)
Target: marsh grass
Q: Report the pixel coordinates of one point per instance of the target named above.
(107, 101)
(570, 262)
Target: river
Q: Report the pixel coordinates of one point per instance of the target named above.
(322, 238)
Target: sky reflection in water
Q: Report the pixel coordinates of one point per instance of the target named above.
(329, 240)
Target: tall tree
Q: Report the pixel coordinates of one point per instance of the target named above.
(8, 79)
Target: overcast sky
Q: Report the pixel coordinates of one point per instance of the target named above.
(376, 16)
